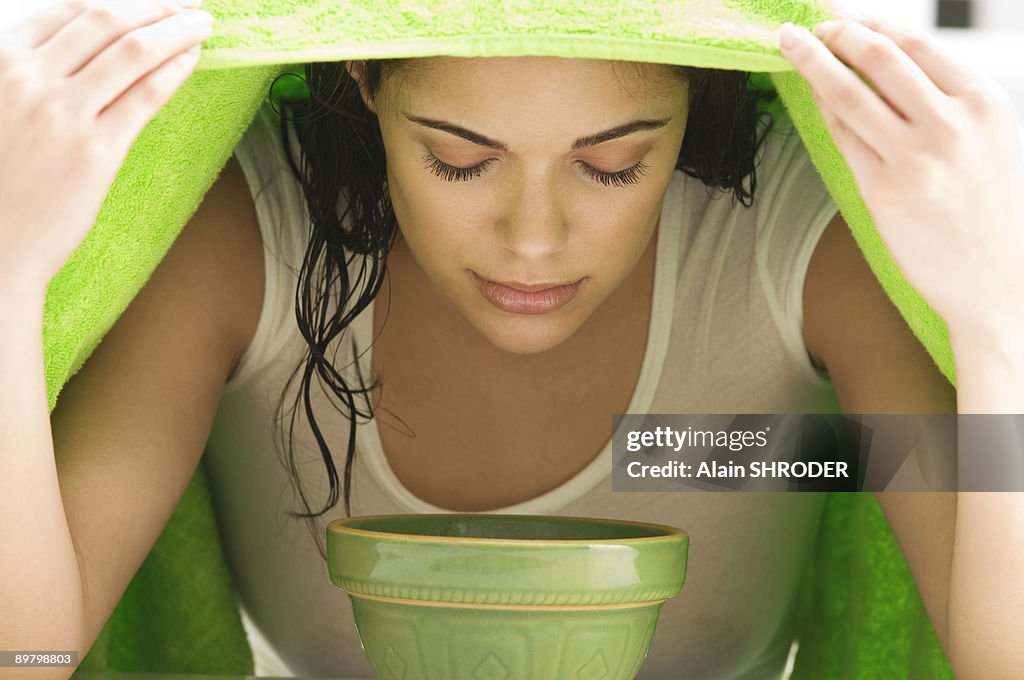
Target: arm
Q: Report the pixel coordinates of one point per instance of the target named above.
(82, 510)
(965, 550)
(79, 81)
(40, 591)
(986, 588)
(912, 117)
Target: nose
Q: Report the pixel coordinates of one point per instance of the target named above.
(534, 226)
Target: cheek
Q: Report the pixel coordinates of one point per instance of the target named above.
(435, 229)
(622, 229)
(438, 216)
(415, 201)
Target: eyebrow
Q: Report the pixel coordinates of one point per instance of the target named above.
(582, 142)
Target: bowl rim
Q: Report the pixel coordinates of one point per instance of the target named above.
(669, 533)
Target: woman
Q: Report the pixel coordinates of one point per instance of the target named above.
(499, 186)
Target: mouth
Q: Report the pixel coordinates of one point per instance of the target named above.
(527, 298)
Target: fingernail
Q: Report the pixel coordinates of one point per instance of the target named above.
(790, 35)
(199, 17)
(824, 28)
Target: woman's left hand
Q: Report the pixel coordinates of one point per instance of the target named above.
(935, 152)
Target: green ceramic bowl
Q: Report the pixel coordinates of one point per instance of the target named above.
(504, 597)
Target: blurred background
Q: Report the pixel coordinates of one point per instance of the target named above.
(987, 35)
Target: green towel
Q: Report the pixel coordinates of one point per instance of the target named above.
(860, 613)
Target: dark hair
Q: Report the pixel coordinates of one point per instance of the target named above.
(340, 149)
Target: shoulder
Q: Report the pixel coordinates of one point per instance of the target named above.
(787, 180)
(218, 259)
(854, 331)
(791, 204)
(792, 208)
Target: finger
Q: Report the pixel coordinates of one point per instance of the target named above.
(37, 28)
(948, 75)
(90, 32)
(10, 49)
(107, 76)
(841, 90)
(863, 161)
(125, 118)
(890, 70)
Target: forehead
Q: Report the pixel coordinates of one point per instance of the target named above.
(457, 77)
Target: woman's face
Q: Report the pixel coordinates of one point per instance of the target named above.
(527, 188)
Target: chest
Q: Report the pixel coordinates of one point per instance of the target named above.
(465, 432)
(478, 441)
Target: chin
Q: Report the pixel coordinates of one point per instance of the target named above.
(528, 335)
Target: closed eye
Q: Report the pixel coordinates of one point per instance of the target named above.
(630, 175)
(451, 173)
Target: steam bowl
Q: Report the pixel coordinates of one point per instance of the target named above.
(499, 597)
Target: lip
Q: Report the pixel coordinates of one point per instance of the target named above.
(527, 298)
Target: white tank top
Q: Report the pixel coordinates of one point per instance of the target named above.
(724, 337)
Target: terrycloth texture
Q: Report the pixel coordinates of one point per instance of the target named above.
(861, 615)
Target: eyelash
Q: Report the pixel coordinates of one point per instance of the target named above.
(450, 173)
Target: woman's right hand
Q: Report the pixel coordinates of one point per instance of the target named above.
(78, 83)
